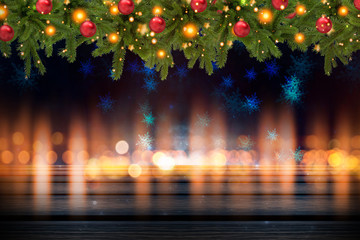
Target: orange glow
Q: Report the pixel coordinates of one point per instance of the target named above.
(57, 138)
(7, 157)
(3, 12)
(157, 10)
(18, 138)
(161, 53)
(300, 9)
(190, 30)
(79, 15)
(50, 30)
(265, 16)
(24, 157)
(114, 10)
(343, 11)
(113, 38)
(299, 37)
(134, 170)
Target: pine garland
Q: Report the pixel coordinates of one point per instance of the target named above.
(212, 43)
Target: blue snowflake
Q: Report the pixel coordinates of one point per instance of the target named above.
(149, 72)
(233, 103)
(134, 67)
(292, 90)
(148, 119)
(182, 71)
(250, 74)
(150, 84)
(112, 74)
(215, 66)
(271, 68)
(144, 108)
(251, 104)
(106, 103)
(21, 80)
(298, 155)
(301, 66)
(272, 135)
(86, 68)
(145, 141)
(246, 143)
(203, 120)
(227, 82)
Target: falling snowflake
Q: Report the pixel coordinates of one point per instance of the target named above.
(134, 67)
(227, 82)
(145, 141)
(203, 120)
(150, 84)
(251, 104)
(292, 90)
(301, 66)
(106, 103)
(149, 72)
(144, 108)
(246, 143)
(272, 135)
(233, 103)
(250, 74)
(271, 68)
(21, 80)
(86, 68)
(182, 71)
(148, 119)
(298, 155)
(112, 74)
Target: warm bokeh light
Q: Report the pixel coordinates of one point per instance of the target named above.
(157, 10)
(79, 15)
(3, 12)
(122, 147)
(300, 9)
(7, 157)
(18, 138)
(299, 37)
(161, 53)
(51, 157)
(190, 30)
(343, 11)
(50, 30)
(113, 38)
(166, 163)
(134, 170)
(265, 16)
(114, 10)
(24, 157)
(57, 138)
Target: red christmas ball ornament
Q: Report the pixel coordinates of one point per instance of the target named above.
(280, 4)
(357, 4)
(126, 6)
(241, 29)
(88, 29)
(157, 24)
(44, 6)
(198, 5)
(324, 25)
(291, 15)
(6, 33)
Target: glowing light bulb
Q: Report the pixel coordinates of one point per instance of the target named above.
(114, 10)
(299, 37)
(79, 15)
(190, 30)
(3, 12)
(50, 30)
(343, 11)
(161, 53)
(113, 38)
(157, 10)
(300, 9)
(265, 16)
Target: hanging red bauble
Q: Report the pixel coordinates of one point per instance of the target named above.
(44, 6)
(357, 4)
(280, 4)
(241, 29)
(6, 33)
(88, 29)
(157, 24)
(126, 6)
(323, 25)
(198, 5)
(291, 15)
